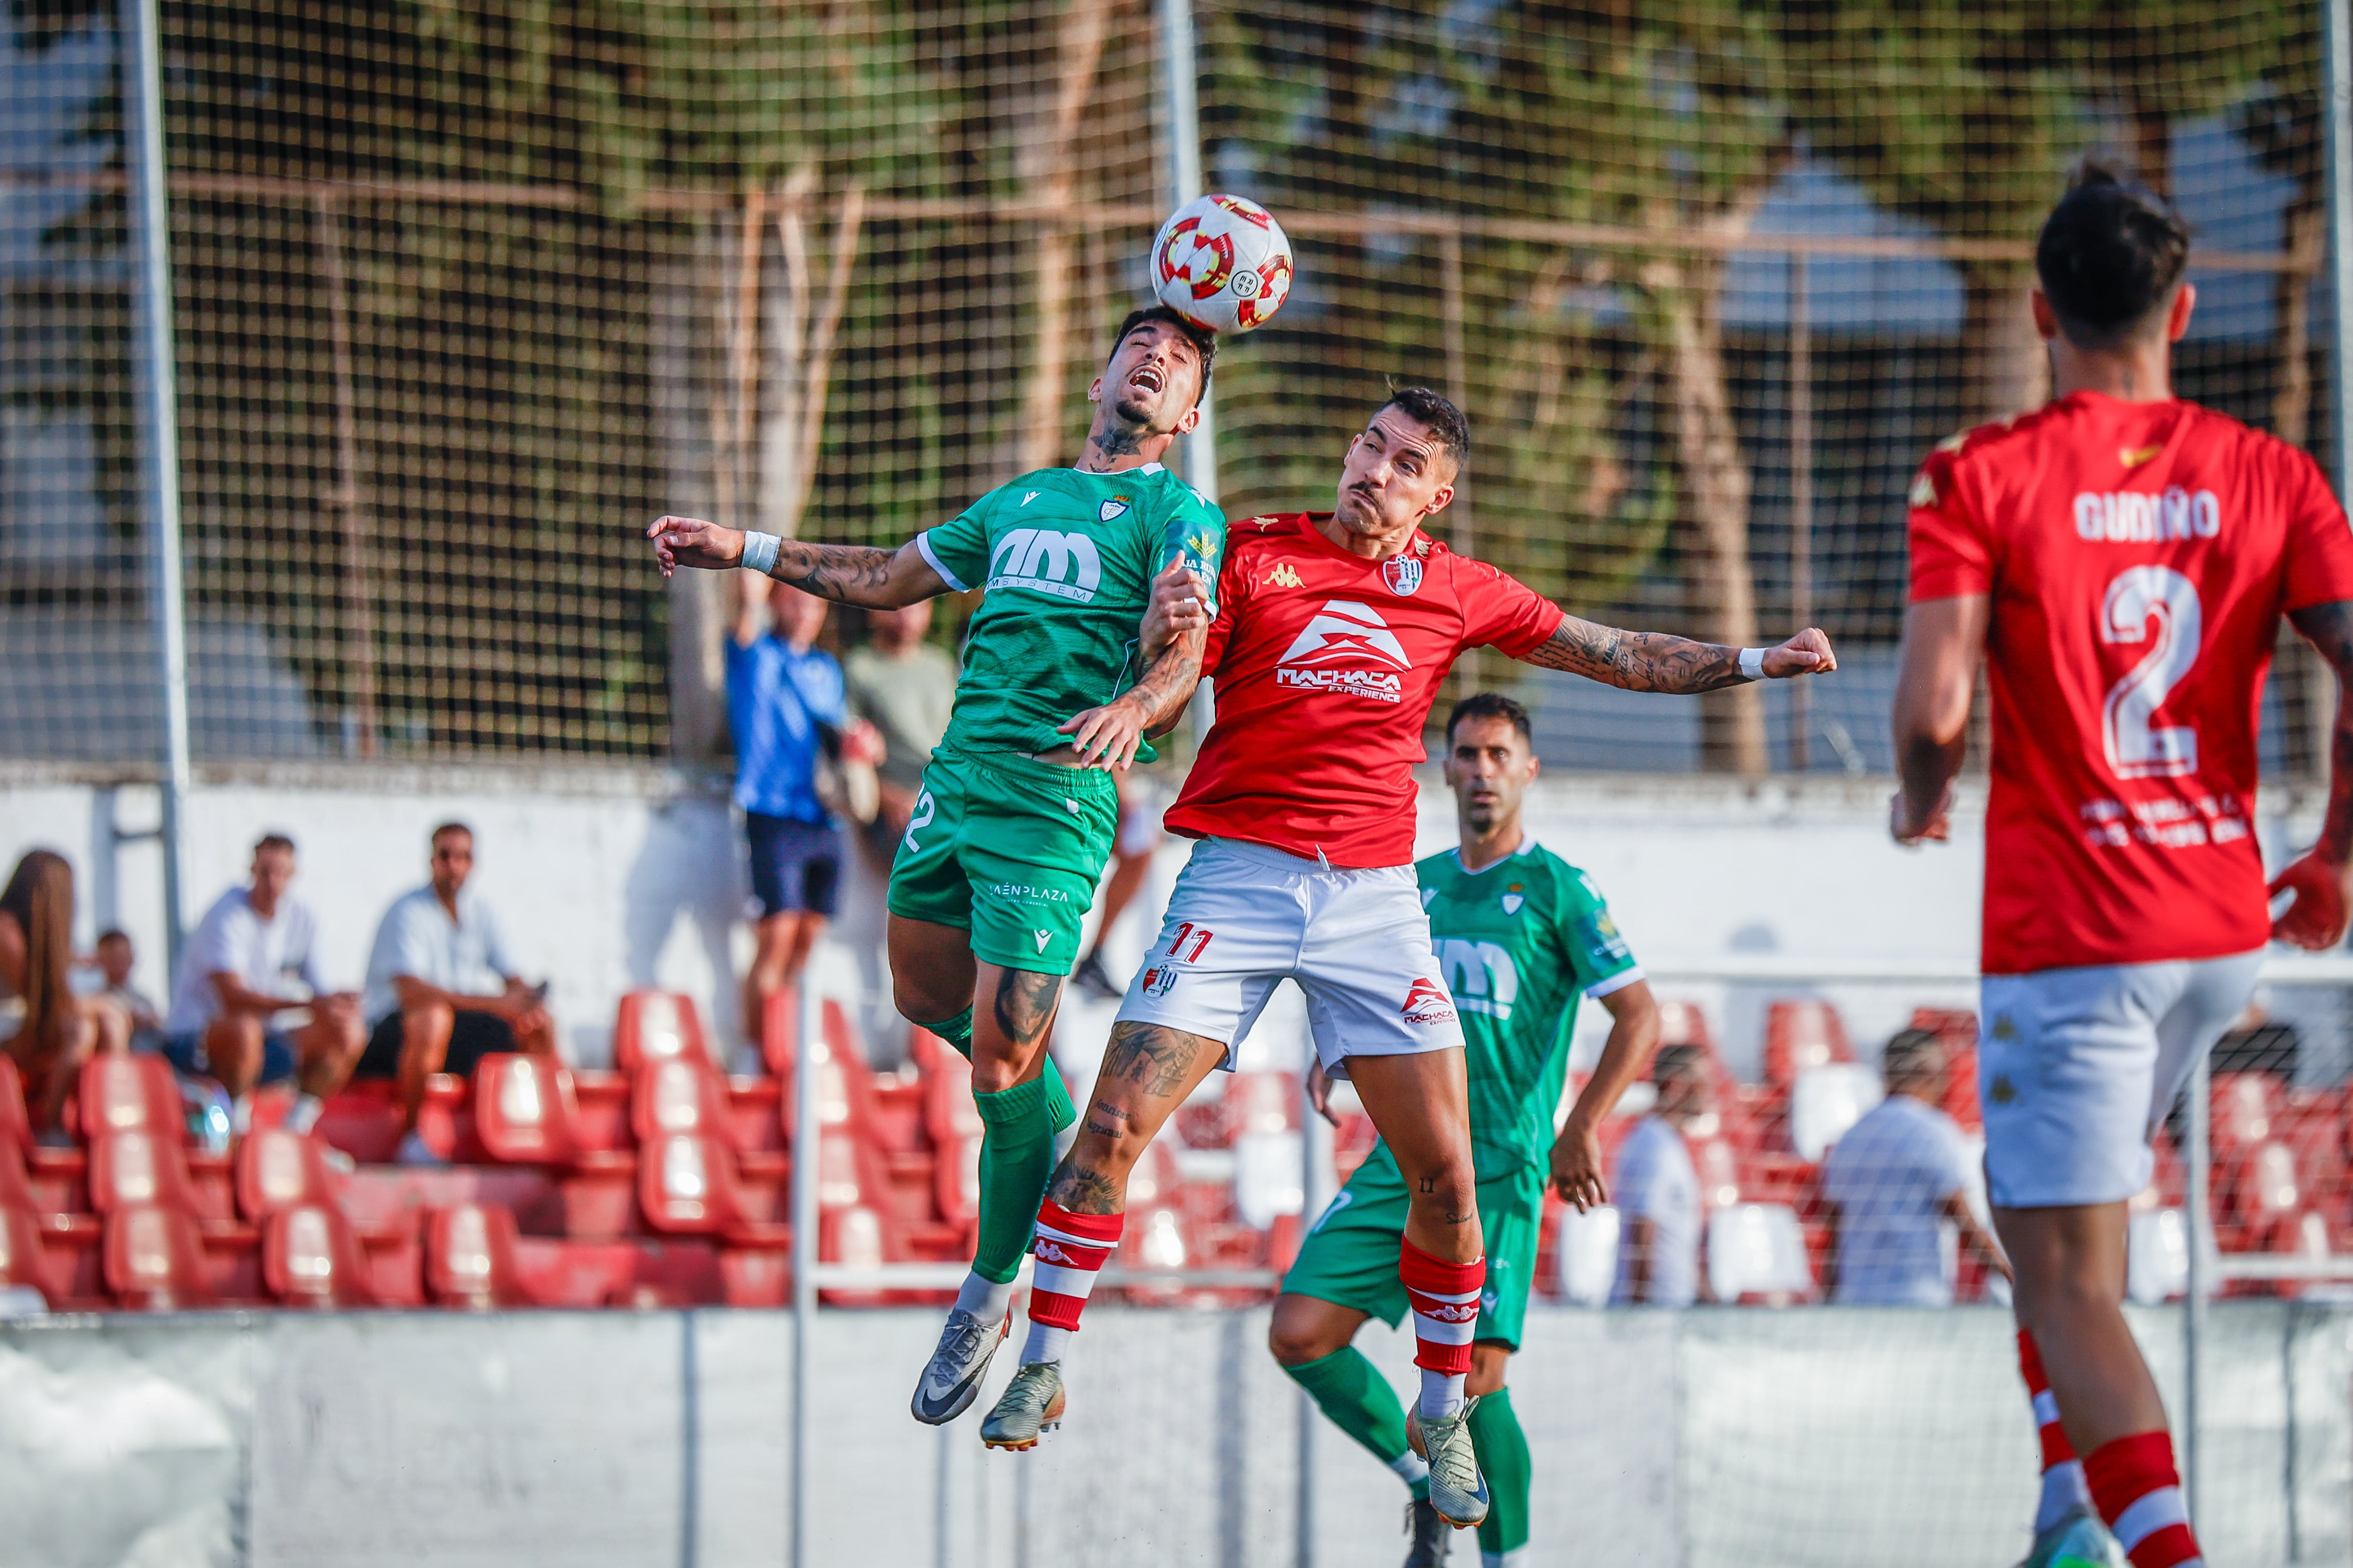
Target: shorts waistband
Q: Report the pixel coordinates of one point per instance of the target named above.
(1016, 764)
(1283, 860)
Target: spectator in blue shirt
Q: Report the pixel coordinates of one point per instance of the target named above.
(784, 694)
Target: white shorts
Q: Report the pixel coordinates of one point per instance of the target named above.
(1245, 917)
(2077, 1067)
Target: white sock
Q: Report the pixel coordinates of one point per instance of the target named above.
(985, 1298)
(303, 1114)
(1410, 1469)
(1441, 1394)
(240, 1115)
(1046, 1343)
(2062, 1489)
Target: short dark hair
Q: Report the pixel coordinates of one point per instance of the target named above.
(1439, 416)
(1204, 342)
(1491, 705)
(2109, 256)
(274, 841)
(1912, 1052)
(1678, 1062)
(113, 933)
(434, 836)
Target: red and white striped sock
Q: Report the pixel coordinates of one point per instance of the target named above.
(2139, 1493)
(1445, 1299)
(1070, 1249)
(2062, 1473)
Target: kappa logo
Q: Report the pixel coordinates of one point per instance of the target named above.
(1480, 973)
(1924, 491)
(1427, 1003)
(1402, 573)
(1116, 507)
(1344, 631)
(1449, 1312)
(1047, 1251)
(1283, 576)
(1065, 565)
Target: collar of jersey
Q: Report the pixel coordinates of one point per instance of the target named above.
(1527, 844)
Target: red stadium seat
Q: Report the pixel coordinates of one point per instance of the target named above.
(688, 1186)
(683, 1095)
(139, 1168)
(280, 1170)
(657, 1026)
(524, 1114)
(24, 1262)
(1717, 1164)
(154, 1258)
(311, 1259)
(1683, 1024)
(470, 1258)
(1799, 1034)
(134, 1093)
(16, 1125)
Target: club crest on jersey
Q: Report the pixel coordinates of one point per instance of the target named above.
(1402, 573)
(1514, 898)
(1161, 980)
(1427, 1003)
(1111, 508)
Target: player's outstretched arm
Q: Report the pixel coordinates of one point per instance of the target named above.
(1659, 661)
(1634, 1037)
(859, 575)
(2321, 881)
(1944, 642)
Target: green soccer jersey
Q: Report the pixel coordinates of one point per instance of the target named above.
(1066, 560)
(1518, 943)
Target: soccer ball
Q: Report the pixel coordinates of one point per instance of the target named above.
(1223, 263)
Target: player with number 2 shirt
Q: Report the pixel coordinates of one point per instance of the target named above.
(1332, 635)
(2119, 560)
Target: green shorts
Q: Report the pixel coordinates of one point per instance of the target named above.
(1350, 1258)
(1010, 850)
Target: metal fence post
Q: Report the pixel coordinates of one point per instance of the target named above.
(806, 1161)
(142, 97)
(1315, 1193)
(2338, 151)
(1185, 175)
(2199, 1230)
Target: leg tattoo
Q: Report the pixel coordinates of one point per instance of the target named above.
(1155, 1059)
(1025, 1004)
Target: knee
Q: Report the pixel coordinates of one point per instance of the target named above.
(926, 1003)
(1294, 1339)
(427, 1025)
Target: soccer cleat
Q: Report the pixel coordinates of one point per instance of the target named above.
(2076, 1539)
(1457, 1491)
(1431, 1532)
(1092, 978)
(1031, 1403)
(951, 1377)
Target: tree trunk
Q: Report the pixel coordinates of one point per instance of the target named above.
(1053, 183)
(687, 362)
(2005, 369)
(2306, 220)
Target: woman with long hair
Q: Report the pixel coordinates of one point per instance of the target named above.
(54, 1030)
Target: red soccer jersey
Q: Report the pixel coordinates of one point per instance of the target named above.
(2139, 556)
(1326, 664)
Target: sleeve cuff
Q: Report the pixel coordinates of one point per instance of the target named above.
(1614, 983)
(932, 559)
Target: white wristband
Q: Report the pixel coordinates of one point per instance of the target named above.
(1752, 660)
(760, 554)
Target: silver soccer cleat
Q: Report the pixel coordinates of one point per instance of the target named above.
(1031, 1403)
(1457, 1491)
(951, 1377)
(2076, 1539)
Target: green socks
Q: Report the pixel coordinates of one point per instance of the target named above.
(1503, 1450)
(1016, 1156)
(957, 1032)
(1352, 1392)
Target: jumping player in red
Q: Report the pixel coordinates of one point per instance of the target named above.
(1333, 635)
(2119, 560)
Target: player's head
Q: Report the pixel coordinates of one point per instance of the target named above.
(453, 857)
(114, 956)
(1491, 760)
(794, 616)
(1914, 1064)
(2110, 259)
(1680, 1075)
(1402, 467)
(1159, 368)
(273, 869)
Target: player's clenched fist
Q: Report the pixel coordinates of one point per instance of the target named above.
(690, 542)
(1807, 653)
(1179, 605)
(2318, 918)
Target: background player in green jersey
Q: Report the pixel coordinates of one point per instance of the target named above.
(1017, 810)
(1521, 935)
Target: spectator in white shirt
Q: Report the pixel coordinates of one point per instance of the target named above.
(1893, 1183)
(248, 1007)
(441, 991)
(1657, 1189)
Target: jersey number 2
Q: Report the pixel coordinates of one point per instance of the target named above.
(2137, 748)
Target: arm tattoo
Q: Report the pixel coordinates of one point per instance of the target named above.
(2329, 628)
(850, 574)
(1166, 685)
(1639, 661)
(1025, 1004)
(1155, 1059)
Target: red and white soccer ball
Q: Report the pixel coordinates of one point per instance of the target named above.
(1223, 263)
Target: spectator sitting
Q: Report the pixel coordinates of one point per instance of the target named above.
(228, 999)
(114, 960)
(1894, 1180)
(47, 1030)
(1657, 1190)
(905, 688)
(783, 693)
(441, 990)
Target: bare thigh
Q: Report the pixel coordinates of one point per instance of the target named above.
(932, 971)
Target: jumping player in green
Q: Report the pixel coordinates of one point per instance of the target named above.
(1521, 935)
(1018, 808)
